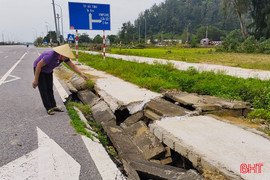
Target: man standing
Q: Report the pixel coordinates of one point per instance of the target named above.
(43, 69)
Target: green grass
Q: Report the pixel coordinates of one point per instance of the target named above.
(80, 125)
(157, 77)
(76, 121)
(202, 55)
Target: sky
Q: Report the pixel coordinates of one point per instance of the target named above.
(24, 20)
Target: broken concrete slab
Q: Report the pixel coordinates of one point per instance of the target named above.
(184, 98)
(102, 113)
(112, 92)
(146, 142)
(127, 151)
(204, 103)
(158, 108)
(71, 88)
(78, 82)
(158, 171)
(88, 97)
(133, 119)
(210, 143)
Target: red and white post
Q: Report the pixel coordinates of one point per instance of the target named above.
(77, 46)
(104, 44)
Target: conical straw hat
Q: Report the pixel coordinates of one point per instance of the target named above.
(64, 50)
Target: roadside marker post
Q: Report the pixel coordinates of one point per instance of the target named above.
(104, 44)
(86, 16)
(77, 61)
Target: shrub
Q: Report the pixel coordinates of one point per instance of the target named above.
(250, 45)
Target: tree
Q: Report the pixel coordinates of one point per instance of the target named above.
(173, 16)
(113, 39)
(240, 8)
(126, 33)
(39, 41)
(260, 12)
(84, 38)
(51, 34)
(98, 39)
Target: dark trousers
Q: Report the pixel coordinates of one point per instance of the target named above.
(45, 86)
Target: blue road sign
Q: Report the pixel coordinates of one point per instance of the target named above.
(87, 16)
(45, 42)
(71, 37)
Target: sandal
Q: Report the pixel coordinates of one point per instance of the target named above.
(58, 109)
(50, 112)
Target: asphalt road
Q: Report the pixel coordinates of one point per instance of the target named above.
(23, 117)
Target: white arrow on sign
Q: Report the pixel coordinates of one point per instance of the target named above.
(91, 21)
(49, 161)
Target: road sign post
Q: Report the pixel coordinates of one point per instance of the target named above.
(87, 16)
(77, 47)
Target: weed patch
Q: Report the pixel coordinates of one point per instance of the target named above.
(80, 125)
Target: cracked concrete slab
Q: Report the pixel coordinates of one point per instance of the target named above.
(212, 144)
(112, 88)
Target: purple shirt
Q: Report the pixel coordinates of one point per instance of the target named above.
(51, 60)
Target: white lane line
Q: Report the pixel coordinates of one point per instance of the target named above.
(49, 161)
(62, 92)
(106, 167)
(102, 160)
(2, 80)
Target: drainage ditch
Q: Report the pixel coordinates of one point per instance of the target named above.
(168, 158)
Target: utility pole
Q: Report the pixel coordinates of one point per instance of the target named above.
(50, 33)
(145, 30)
(139, 33)
(3, 37)
(206, 32)
(61, 22)
(58, 17)
(57, 34)
(187, 31)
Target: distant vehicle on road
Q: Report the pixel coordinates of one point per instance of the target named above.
(206, 41)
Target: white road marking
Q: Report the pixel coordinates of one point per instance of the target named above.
(49, 161)
(62, 92)
(102, 160)
(14, 78)
(54, 162)
(2, 80)
(6, 57)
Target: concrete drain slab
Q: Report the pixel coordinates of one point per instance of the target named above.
(117, 92)
(211, 144)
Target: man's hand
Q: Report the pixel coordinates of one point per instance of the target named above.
(34, 84)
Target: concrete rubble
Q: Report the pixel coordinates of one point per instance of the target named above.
(145, 138)
(209, 104)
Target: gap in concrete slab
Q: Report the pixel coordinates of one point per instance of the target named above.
(180, 161)
(121, 115)
(145, 176)
(182, 105)
(73, 98)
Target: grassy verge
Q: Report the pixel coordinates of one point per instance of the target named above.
(202, 55)
(80, 125)
(159, 77)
